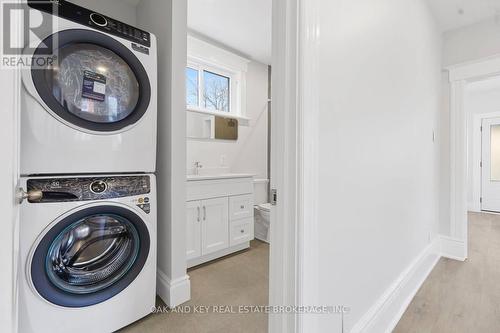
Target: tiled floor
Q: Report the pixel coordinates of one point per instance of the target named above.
(461, 296)
(236, 280)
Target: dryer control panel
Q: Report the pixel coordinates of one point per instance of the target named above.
(86, 17)
(90, 188)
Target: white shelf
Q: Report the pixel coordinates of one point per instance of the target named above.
(217, 113)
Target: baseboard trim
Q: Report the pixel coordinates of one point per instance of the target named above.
(453, 248)
(384, 315)
(217, 255)
(173, 292)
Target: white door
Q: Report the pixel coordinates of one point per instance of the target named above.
(193, 229)
(490, 171)
(214, 225)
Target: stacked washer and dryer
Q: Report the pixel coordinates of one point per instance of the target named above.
(88, 151)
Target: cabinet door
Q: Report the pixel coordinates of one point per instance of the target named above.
(193, 229)
(215, 225)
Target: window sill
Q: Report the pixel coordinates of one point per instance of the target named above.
(217, 113)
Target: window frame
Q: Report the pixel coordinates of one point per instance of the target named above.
(198, 97)
(203, 88)
(235, 94)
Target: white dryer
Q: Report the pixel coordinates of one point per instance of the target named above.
(92, 108)
(88, 253)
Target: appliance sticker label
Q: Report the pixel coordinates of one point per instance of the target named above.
(94, 86)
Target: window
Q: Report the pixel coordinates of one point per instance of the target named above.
(209, 89)
(192, 97)
(215, 91)
(215, 80)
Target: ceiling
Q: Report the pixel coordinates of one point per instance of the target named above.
(242, 25)
(453, 14)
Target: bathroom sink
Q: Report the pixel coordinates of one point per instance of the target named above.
(218, 176)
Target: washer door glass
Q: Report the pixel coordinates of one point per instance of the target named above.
(93, 83)
(92, 254)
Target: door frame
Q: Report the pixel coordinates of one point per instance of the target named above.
(10, 83)
(294, 155)
(460, 75)
(486, 164)
(475, 182)
(295, 24)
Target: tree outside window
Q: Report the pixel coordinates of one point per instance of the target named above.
(215, 90)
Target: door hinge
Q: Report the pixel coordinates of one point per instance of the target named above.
(481, 164)
(480, 200)
(481, 128)
(274, 196)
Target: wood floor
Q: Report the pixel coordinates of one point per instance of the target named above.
(461, 296)
(241, 279)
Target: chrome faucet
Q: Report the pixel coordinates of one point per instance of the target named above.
(197, 167)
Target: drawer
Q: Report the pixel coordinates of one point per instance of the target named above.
(215, 188)
(241, 232)
(240, 207)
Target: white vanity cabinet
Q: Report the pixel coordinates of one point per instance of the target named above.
(219, 216)
(193, 229)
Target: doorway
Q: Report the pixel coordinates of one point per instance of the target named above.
(490, 165)
(465, 156)
(284, 279)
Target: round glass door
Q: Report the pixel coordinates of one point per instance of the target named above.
(95, 83)
(92, 253)
(90, 256)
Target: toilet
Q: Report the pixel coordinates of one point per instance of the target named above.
(262, 219)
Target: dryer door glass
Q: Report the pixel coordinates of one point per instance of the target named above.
(92, 253)
(93, 83)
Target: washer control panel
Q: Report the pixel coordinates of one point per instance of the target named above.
(86, 17)
(91, 188)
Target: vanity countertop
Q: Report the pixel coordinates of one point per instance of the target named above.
(191, 178)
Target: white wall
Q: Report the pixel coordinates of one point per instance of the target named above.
(472, 42)
(117, 9)
(10, 84)
(249, 153)
(167, 20)
(8, 184)
(380, 98)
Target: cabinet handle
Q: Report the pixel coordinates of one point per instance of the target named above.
(204, 213)
(198, 213)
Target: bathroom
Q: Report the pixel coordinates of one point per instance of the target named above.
(228, 102)
(227, 170)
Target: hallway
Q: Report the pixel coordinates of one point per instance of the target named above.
(461, 296)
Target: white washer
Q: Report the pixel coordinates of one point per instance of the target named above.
(93, 110)
(87, 253)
